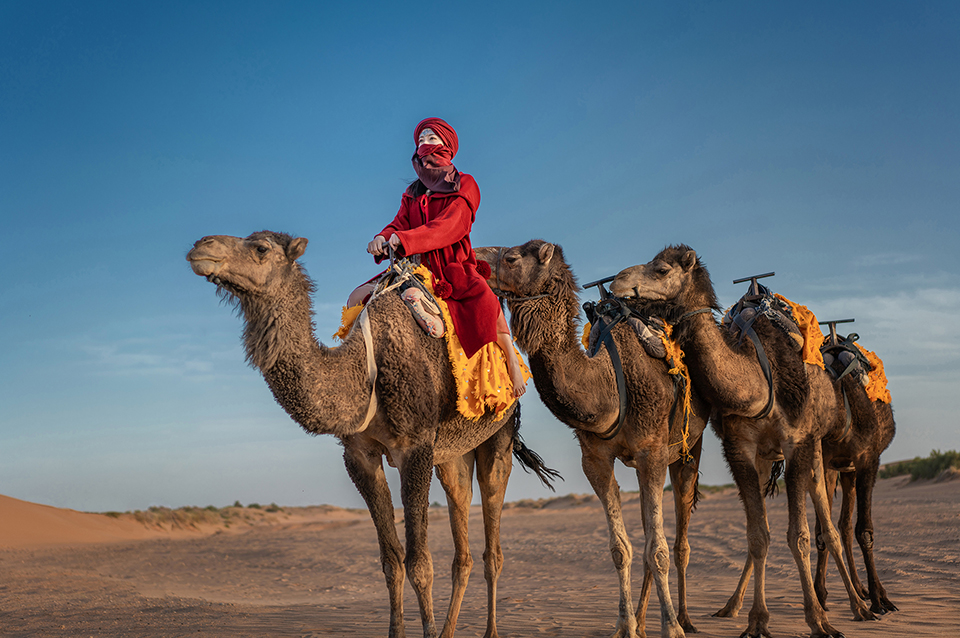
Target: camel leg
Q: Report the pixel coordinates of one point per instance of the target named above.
(848, 490)
(820, 580)
(805, 472)
(816, 487)
(652, 474)
(741, 461)
(456, 477)
(735, 602)
(644, 600)
(494, 464)
(598, 468)
(366, 472)
(683, 477)
(416, 469)
(866, 479)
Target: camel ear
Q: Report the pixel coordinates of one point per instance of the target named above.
(689, 260)
(546, 254)
(296, 248)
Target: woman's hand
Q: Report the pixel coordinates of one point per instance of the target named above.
(376, 246)
(394, 242)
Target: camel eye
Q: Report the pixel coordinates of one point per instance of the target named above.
(511, 259)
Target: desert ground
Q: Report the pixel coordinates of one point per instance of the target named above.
(315, 571)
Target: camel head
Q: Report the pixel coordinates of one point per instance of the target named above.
(535, 279)
(526, 270)
(675, 277)
(256, 265)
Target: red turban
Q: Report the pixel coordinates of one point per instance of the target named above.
(441, 128)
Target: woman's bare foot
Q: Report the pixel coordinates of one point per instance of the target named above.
(513, 364)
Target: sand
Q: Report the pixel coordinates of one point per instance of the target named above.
(316, 572)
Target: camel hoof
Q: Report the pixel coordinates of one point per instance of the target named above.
(862, 613)
(726, 613)
(885, 607)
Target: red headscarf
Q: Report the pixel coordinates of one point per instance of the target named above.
(434, 162)
(449, 136)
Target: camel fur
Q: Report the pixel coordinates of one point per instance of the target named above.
(416, 426)
(581, 392)
(729, 377)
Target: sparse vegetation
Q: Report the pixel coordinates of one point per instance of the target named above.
(930, 467)
(183, 517)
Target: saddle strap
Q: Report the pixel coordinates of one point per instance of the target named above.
(746, 330)
(606, 337)
(364, 321)
(765, 366)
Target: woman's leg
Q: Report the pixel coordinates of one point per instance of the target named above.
(431, 323)
(505, 341)
(360, 294)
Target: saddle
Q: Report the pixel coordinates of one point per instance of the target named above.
(759, 301)
(601, 316)
(762, 302)
(844, 358)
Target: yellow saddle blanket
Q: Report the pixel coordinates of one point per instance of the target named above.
(876, 385)
(482, 380)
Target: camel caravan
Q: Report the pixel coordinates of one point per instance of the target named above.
(656, 361)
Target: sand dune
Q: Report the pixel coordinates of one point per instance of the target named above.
(24, 524)
(316, 572)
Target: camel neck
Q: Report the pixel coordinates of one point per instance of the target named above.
(573, 386)
(323, 389)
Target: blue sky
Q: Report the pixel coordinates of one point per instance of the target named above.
(817, 140)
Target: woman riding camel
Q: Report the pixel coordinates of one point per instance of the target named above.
(433, 225)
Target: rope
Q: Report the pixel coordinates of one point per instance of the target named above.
(681, 378)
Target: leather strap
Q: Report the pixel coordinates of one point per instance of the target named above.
(765, 366)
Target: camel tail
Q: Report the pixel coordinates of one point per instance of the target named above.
(771, 488)
(529, 460)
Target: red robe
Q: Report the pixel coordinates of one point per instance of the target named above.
(441, 233)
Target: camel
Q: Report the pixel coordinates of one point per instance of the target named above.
(582, 393)
(675, 285)
(853, 455)
(416, 424)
